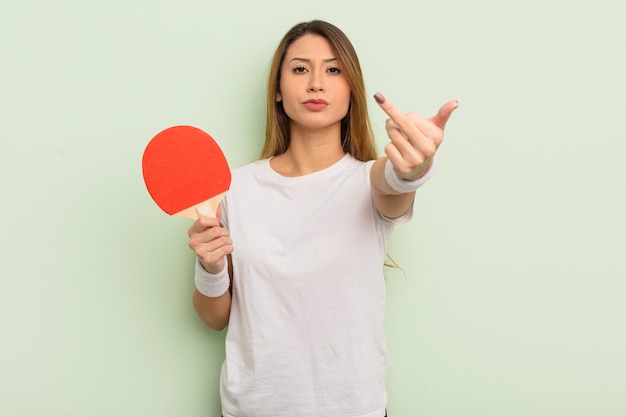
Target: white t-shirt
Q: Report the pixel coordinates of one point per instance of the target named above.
(305, 337)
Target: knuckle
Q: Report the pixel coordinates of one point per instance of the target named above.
(206, 222)
(208, 260)
(193, 243)
(429, 150)
(401, 168)
(226, 250)
(404, 123)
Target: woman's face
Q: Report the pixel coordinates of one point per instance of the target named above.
(314, 92)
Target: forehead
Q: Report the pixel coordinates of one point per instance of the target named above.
(310, 46)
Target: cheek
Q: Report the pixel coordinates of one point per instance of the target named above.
(346, 95)
(286, 90)
(343, 87)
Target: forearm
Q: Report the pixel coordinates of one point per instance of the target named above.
(212, 297)
(213, 311)
(389, 202)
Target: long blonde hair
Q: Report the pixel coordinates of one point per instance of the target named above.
(356, 132)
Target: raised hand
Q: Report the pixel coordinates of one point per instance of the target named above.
(414, 139)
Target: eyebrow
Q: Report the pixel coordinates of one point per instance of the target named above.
(308, 60)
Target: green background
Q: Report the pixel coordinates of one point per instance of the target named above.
(512, 298)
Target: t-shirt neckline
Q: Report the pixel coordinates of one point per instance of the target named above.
(337, 166)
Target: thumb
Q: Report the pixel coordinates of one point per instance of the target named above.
(218, 214)
(444, 113)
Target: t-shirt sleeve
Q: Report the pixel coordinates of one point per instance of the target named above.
(405, 218)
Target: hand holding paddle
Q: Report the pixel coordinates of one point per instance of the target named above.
(210, 242)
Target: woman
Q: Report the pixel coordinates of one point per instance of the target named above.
(303, 293)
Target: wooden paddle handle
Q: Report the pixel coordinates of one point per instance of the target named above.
(206, 208)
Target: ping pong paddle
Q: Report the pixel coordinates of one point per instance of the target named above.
(185, 172)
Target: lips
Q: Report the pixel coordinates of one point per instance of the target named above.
(316, 101)
(316, 104)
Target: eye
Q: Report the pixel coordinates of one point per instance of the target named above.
(299, 69)
(334, 70)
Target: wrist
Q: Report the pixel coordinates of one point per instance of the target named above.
(211, 284)
(211, 269)
(400, 185)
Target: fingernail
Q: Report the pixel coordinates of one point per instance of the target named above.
(380, 99)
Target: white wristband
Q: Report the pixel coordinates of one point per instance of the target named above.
(403, 186)
(211, 285)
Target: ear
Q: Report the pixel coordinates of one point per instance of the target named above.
(279, 98)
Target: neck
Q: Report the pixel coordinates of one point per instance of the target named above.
(310, 151)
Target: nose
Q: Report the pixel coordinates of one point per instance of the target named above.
(315, 82)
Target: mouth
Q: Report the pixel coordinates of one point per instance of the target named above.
(316, 104)
(316, 101)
